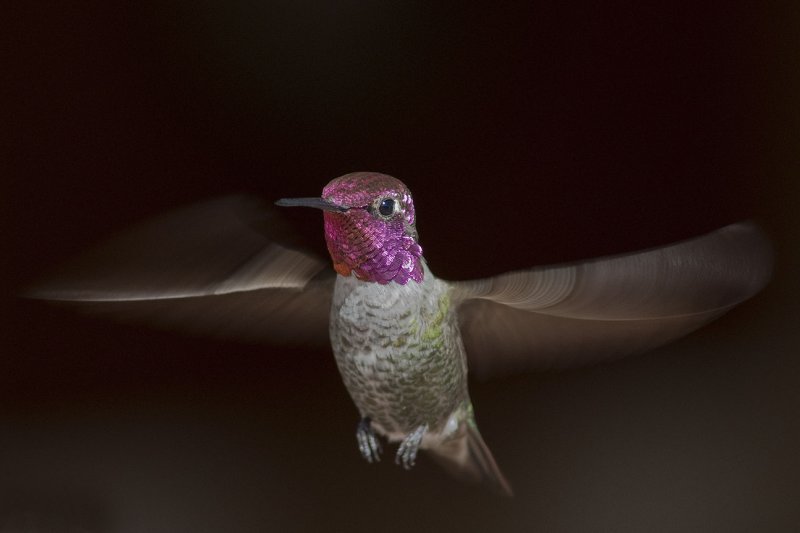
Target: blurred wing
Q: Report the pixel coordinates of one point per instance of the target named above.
(610, 307)
(207, 268)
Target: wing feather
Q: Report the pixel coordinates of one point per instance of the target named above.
(609, 307)
(213, 268)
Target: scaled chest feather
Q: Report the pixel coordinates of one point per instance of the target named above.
(387, 321)
(398, 350)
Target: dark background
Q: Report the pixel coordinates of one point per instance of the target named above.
(530, 134)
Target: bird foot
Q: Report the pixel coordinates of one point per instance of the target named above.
(368, 443)
(407, 451)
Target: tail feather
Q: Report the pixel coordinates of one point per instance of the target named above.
(467, 457)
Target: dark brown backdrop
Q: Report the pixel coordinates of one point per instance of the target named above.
(530, 134)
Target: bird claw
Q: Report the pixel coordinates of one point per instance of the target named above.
(368, 443)
(407, 451)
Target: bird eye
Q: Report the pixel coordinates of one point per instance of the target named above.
(387, 207)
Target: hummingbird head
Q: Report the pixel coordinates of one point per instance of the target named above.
(369, 227)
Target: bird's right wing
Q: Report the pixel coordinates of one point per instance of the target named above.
(212, 268)
(609, 307)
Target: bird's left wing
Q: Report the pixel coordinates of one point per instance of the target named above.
(610, 307)
(211, 268)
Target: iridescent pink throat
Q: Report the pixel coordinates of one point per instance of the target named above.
(372, 250)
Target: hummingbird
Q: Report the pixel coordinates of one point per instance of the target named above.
(403, 339)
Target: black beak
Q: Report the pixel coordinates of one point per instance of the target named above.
(318, 203)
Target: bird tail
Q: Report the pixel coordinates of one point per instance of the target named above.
(468, 458)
